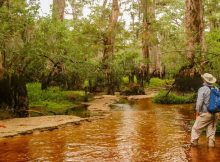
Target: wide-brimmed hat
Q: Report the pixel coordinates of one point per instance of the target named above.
(209, 78)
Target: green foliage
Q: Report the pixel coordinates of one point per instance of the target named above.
(30, 42)
(17, 24)
(128, 59)
(173, 98)
(52, 106)
(157, 82)
(213, 56)
(133, 89)
(125, 80)
(35, 93)
(171, 28)
(53, 98)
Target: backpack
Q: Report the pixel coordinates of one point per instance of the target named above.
(214, 103)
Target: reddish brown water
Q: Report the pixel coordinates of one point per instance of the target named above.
(137, 133)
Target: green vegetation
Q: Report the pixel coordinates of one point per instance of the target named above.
(172, 98)
(102, 51)
(53, 99)
(125, 80)
(158, 83)
(218, 127)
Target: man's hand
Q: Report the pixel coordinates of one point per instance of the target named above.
(197, 114)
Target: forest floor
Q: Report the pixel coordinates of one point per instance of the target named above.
(22, 126)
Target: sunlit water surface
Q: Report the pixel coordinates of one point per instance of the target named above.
(133, 133)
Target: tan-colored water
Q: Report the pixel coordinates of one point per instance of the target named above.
(138, 133)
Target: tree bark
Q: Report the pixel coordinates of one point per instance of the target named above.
(148, 14)
(109, 40)
(77, 8)
(156, 68)
(1, 66)
(188, 78)
(194, 27)
(58, 9)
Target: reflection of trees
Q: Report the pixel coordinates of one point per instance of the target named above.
(126, 143)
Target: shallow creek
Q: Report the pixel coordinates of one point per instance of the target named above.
(137, 132)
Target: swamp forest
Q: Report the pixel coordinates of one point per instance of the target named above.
(116, 80)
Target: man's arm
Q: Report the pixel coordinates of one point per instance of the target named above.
(199, 102)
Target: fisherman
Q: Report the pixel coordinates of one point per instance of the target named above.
(204, 119)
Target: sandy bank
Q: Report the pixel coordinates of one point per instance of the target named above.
(102, 103)
(21, 126)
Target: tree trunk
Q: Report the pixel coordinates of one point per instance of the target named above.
(109, 40)
(58, 9)
(156, 68)
(146, 32)
(150, 47)
(194, 27)
(154, 50)
(188, 78)
(77, 8)
(19, 95)
(1, 66)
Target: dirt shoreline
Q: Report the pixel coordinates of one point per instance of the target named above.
(22, 126)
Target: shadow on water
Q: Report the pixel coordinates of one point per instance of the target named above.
(141, 131)
(81, 111)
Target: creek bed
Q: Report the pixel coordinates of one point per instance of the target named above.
(141, 131)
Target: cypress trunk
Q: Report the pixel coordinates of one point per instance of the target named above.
(58, 9)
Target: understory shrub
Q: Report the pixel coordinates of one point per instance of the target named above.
(172, 98)
(133, 89)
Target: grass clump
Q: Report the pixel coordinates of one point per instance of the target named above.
(172, 98)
